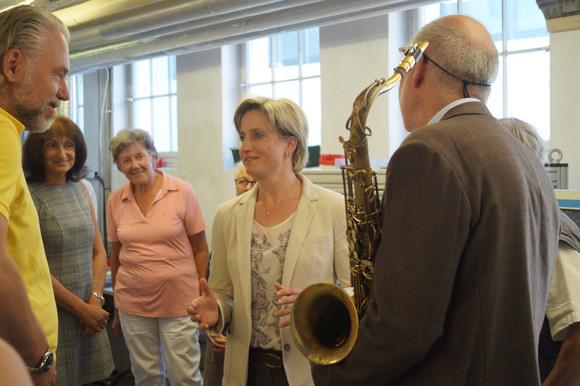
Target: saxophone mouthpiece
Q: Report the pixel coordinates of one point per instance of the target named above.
(415, 49)
(412, 54)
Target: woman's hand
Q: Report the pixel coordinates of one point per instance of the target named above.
(219, 344)
(286, 297)
(204, 309)
(93, 316)
(86, 330)
(116, 325)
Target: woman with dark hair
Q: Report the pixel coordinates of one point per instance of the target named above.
(33, 158)
(53, 163)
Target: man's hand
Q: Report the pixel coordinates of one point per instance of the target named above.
(565, 371)
(46, 379)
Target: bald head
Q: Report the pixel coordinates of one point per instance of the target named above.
(471, 31)
(464, 47)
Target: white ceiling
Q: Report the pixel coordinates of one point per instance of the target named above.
(109, 32)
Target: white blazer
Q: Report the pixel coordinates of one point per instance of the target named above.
(317, 251)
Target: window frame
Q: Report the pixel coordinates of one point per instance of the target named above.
(247, 85)
(76, 107)
(152, 97)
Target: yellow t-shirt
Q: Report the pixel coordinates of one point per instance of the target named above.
(24, 240)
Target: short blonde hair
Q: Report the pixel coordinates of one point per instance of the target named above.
(128, 137)
(286, 117)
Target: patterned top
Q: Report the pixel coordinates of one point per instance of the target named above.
(267, 253)
(68, 235)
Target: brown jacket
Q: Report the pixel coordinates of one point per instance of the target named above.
(469, 241)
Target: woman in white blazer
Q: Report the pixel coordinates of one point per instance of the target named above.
(267, 245)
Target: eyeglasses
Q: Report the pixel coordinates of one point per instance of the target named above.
(242, 182)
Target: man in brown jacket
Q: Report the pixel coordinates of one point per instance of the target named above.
(469, 237)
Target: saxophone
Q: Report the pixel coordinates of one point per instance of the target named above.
(324, 320)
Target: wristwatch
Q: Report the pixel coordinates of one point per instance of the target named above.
(45, 363)
(99, 296)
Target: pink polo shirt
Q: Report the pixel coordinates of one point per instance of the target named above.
(158, 276)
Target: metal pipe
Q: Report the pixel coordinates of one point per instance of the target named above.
(157, 15)
(172, 21)
(90, 13)
(321, 13)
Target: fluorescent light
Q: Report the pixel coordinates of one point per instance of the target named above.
(24, 2)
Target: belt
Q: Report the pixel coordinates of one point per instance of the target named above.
(271, 358)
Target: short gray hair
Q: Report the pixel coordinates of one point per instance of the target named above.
(127, 137)
(459, 56)
(26, 28)
(286, 117)
(527, 134)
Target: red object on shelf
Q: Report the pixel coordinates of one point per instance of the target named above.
(328, 159)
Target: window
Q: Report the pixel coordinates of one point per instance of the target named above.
(77, 100)
(154, 101)
(522, 88)
(287, 65)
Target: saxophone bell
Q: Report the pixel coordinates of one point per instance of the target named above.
(329, 331)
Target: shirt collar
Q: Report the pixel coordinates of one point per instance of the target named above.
(437, 117)
(19, 126)
(168, 184)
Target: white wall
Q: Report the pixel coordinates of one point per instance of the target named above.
(352, 56)
(402, 28)
(119, 120)
(95, 83)
(199, 117)
(565, 100)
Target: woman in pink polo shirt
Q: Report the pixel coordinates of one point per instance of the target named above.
(159, 252)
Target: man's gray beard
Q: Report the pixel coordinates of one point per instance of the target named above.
(32, 118)
(32, 121)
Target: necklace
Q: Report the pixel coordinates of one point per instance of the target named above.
(268, 211)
